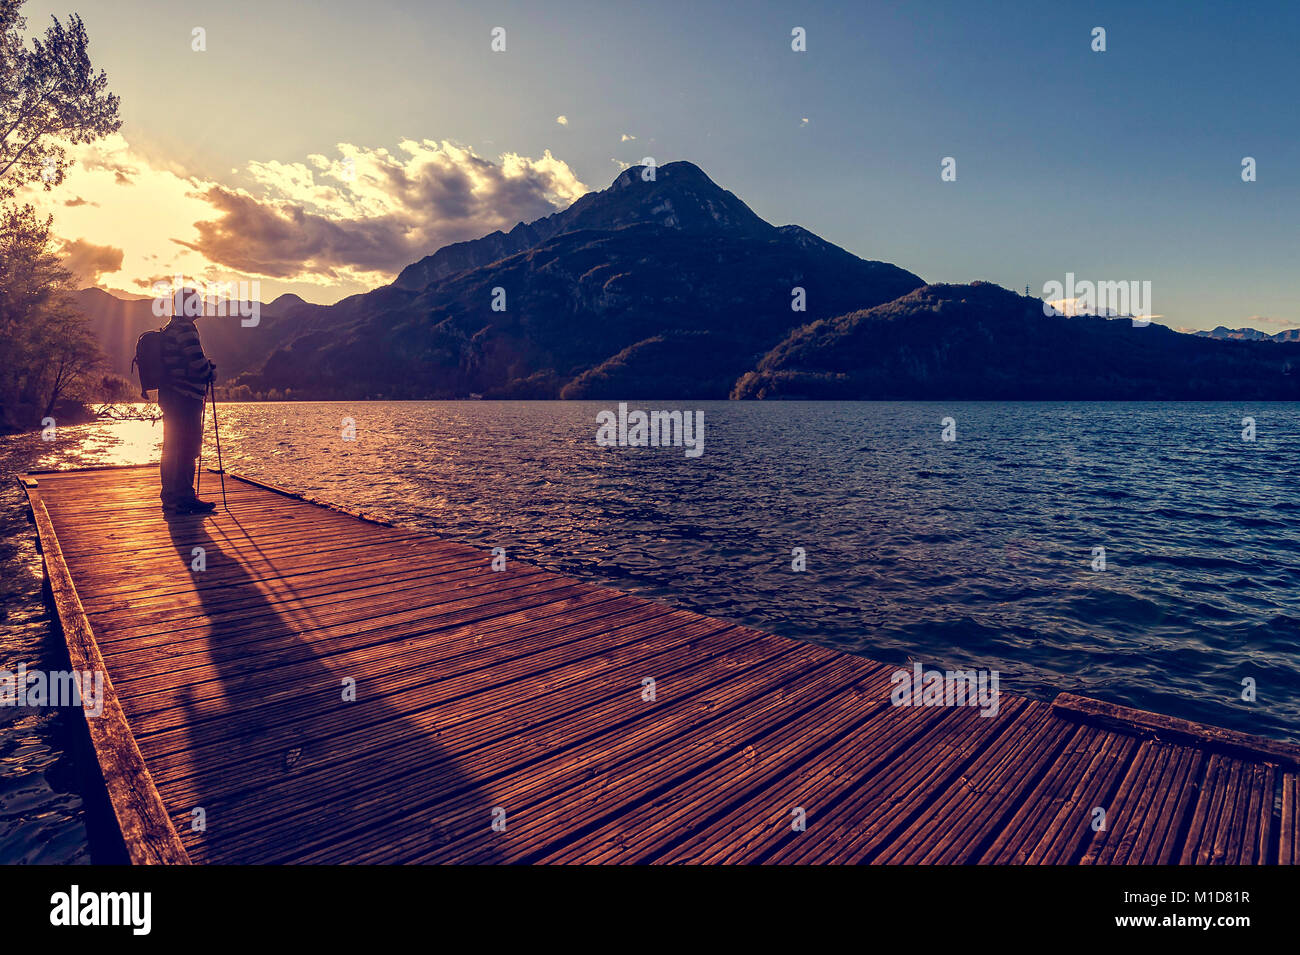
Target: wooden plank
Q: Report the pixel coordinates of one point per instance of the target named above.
(1129, 806)
(969, 813)
(1182, 791)
(751, 830)
(755, 829)
(537, 683)
(186, 609)
(1141, 808)
(267, 634)
(1071, 830)
(574, 798)
(928, 767)
(750, 784)
(532, 744)
(1289, 825)
(1128, 720)
(1257, 836)
(142, 819)
(1199, 846)
(1051, 799)
(262, 685)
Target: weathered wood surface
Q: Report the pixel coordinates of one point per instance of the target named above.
(519, 698)
(146, 830)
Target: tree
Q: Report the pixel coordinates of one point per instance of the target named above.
(113, 388)
(50, 97)
(49, 348)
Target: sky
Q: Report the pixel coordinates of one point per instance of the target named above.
(319, 147)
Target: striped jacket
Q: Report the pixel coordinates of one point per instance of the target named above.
(188, 369)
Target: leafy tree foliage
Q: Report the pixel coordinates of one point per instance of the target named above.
(50, 98)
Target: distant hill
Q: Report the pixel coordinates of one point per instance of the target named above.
(664, 288)
(981, 341)
(118, 322)
(1251, 335)
(673, 288)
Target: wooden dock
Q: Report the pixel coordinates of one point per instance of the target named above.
(333, 689)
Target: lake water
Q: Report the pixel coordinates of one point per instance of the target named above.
(977, 552)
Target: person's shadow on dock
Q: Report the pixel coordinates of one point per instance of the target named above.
(296, 752)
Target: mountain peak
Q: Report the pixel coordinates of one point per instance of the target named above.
(1223, 333)
(677, 195)
(677, 172)
(286, 301)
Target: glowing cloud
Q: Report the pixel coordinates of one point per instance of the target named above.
(342, 223)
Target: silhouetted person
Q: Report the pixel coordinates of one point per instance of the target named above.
(185, 385)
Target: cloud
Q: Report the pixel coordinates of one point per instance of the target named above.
(87, 261)
(139, 219)
(562, 120)
(803, 121)
(627, 138)
(1257, 320)
(345, 222)
(110, 155)
(285, 241)
(370, 213)
(1081, 306)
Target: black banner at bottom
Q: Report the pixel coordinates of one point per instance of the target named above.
(331, 905)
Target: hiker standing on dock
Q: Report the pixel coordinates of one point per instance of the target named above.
(184, 386)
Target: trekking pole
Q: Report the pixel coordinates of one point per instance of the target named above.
(203, 418)
(216, 430)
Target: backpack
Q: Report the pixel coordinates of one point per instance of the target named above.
(148, 361)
